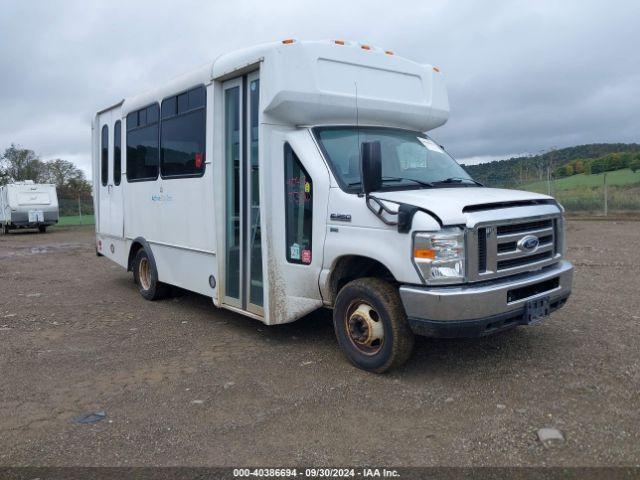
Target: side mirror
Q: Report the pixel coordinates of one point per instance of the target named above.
(371, 167)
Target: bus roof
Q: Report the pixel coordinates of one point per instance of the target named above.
(320, 82)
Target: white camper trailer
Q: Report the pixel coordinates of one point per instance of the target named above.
(297, 175)
(28, 205)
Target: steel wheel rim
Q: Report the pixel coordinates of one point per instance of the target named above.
(364, 327)
(144, 274)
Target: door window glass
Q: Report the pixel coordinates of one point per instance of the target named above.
(104, 156)
(298, 208)
(255, 290)
(232, 201)
(117, 153)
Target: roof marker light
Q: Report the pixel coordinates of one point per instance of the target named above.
(436, 69)
(288, 41)
(365, 47)
(339, 42)
(388, 52)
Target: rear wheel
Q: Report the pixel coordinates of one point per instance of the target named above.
(5, 229)
(42, 228)
(146, 277)
(371, 325)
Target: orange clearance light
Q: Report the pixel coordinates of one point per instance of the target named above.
(365, 47)
(424, 253)
(288, 41)
(339, 42)
(436, 69)
(388, 52)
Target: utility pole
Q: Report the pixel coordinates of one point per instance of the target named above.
(548, 180)
(80, 209)
(606, 206)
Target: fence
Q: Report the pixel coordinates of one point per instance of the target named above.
(606, 193)
(76, 210)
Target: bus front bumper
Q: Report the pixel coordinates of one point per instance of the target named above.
(481, 309)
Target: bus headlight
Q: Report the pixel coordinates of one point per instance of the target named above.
(439, 256)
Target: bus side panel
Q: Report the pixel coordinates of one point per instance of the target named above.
(186, 269)
(116, 249)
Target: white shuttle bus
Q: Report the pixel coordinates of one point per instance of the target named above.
(292, 176)
(28, 205)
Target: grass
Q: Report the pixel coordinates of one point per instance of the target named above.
(75, 220)
(615, 178)
(585, 193)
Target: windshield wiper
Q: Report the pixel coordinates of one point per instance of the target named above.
(400, 179)
(459, 180)
(396, 179)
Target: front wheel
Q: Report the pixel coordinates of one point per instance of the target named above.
(371, 325)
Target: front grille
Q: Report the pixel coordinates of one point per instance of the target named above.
(482, 249)
(502, 247)
(523, 227)
(518, 262)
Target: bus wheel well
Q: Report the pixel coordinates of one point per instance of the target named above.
(135, 246)
(351, 267)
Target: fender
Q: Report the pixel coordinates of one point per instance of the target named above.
(147, 248)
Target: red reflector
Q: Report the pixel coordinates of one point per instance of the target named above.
(198, 160)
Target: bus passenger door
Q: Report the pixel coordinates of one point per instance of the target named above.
(104, 180)
(242, 284)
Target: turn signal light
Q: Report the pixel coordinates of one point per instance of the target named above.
(427, 253)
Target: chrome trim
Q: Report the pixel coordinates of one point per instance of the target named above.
(517, 253)
(470, 302)
(493, 240)
(538, 233)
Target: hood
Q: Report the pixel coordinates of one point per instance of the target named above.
(449, 203)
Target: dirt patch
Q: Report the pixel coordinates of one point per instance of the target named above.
(183, 383)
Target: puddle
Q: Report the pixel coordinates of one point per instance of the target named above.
(41, 249)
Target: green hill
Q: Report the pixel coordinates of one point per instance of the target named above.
(518, 170)
(585, 193)
(615, 178)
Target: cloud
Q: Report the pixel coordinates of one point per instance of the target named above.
(522, 75)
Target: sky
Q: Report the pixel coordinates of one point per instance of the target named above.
(523, 76)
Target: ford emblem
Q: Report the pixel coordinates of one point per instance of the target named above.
(528, 243)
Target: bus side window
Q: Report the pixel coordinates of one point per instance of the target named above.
(298, 208)
(104, 156)
(183, 132)
(143, 144)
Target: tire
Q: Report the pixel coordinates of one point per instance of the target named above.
(371, 325)
(42, 228)
(5, 229)
(146, 278)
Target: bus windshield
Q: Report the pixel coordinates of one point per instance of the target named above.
(409, 159)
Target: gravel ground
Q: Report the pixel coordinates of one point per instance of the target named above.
(183, 383)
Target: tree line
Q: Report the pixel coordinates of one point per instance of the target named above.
(18, 164)
(591, 158)
(605, 163)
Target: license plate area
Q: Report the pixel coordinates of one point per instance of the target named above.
(36, 216)
(537, 310)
